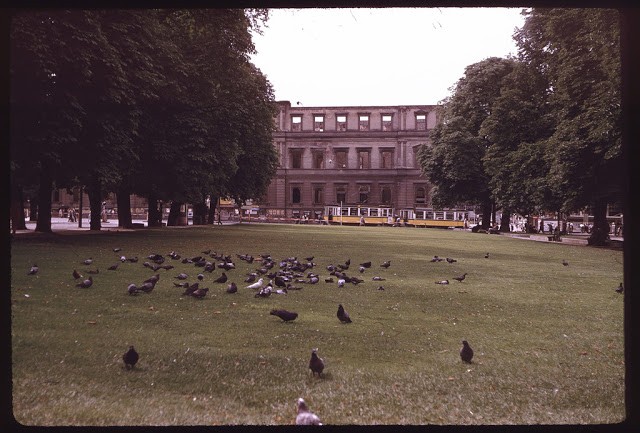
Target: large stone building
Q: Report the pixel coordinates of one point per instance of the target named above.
(363, 155)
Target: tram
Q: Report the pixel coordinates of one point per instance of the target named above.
(419, 217)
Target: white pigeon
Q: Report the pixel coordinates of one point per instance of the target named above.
(341, 282)
(306, 417)
(256, 285)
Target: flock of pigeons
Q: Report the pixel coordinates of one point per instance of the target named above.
(289, 274)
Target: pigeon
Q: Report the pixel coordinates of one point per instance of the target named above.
(251, 278)
(264, 292)
(565, 263)
(34, 270)
(76, 274)
(184, 284)
(620, 289)
(133, 259)
(123, 259)
(221, 279)
(113, 267)
(132, 289)
(450, 260)
(200, 277)
(90, 271)
(436, 259)
(152, 279)
(115, 250)
(466, 353)
(343, 315)
(181, 276)
(361, 269)
(282, 291)
(380, 287)
(442, 282)
(306, 417)
(287, 316)
(341, 282)
(232, 288)
(147, 287)
(200, 292)
(460, 277)
(256, 285)
(86, 283)
(88, 261)
(378, 279)
(386, 264)
(486, 256)
(190, 289)
(316, 364)
(130, 358)
(366, 264)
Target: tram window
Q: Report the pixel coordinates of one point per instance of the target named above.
(439, 215)
(353, 211)
(420, 214)
(373, 212)
(345, 211)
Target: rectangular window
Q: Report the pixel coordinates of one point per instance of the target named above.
(318, 159)
(363, 194)
(421, 194)
(341, 193)
(386, 158)
(296, 158)
(364, 159)
(387, 122)
(341, 159)
(341, 122)
(296, 123)
(318, 123)
(296, 194)
(318, 194)
(385, 194)
(363, 122)
(421, 122)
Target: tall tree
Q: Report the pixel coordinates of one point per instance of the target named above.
(453, 161)
(578, 52)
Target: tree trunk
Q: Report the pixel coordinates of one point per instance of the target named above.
(154, 218)
(17, 209)
(600, 231)
(486, 214)
(200, 213)
(174, 213)
(211, 215)
(505, 221)
(95, 205)
(44, 202)
(123, 200)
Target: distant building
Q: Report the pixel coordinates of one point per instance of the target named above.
(360, 155)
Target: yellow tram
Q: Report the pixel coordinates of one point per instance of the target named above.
(381, 215)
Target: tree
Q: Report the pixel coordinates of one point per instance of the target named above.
(453, 162)
(578, 53)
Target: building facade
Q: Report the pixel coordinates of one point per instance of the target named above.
(360, 155)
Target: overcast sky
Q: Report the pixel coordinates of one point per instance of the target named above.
(384, 56)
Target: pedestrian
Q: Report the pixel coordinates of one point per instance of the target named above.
(362, 220)
(219, 219)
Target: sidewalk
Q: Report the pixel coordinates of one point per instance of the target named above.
(63, 224)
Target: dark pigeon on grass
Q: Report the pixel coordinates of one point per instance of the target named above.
(386, 264)
(91, 271)
(147, 286)
(232, 288)
(113, 267)
(133, 259)
(181, 276)
(366, 264)
(264, 292)
(460, 277)
(305, 416)
(76, 274)
(620, 289)
(221, 279)
(34, 270)
(565, 263)
(200, 277)
(466, 353)
(190, 289)
(342, 314)
(486, 256)
(450, 260)
(285, 315)
(184, 284)
(152, 279)
(200, 292)
(132, 289)
(86, 283)
(378, 279)
(436, 259)
(316, 364)
(130, 358)
(87, 261)
(115, 250)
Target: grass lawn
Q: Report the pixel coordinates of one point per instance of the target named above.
(548, 339)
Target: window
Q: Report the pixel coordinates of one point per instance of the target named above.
(386, 122)
(296, 158)
(318, 194)
(363, 191)
(295, 194)
(296, 122)
(318, 123)
(341, 158)
(421, 122)
(364, 159)
(386, 158)
(421, 194)
(363, 122)
(385, 194)
(341, 122)
(318, 159)
(341, 193)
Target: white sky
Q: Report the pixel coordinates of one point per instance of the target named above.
(383, 56)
